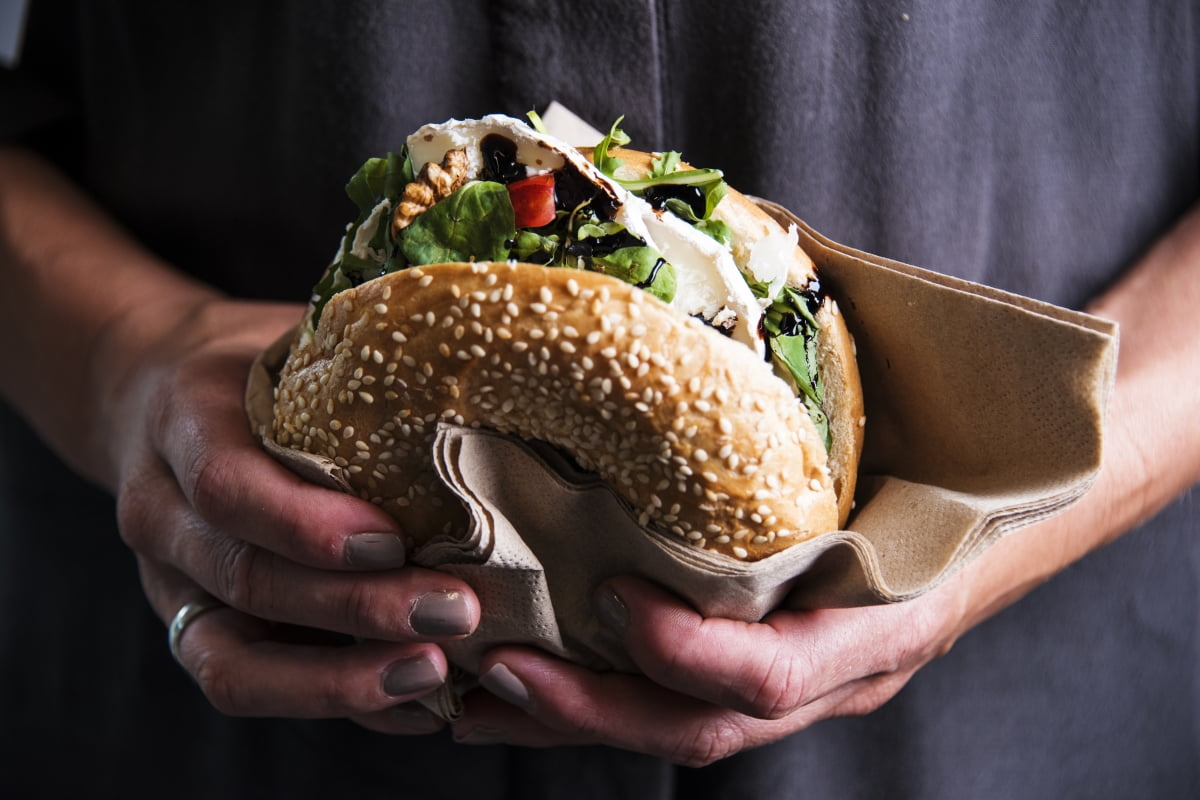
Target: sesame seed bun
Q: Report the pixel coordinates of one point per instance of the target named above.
(700, 440)
(696, 430)
(748, 226)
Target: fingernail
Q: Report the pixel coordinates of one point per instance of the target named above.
(611, 609)
(441, 614)
(500, 681)
(375, 550)
(411, 676)
(415, 718)
(481, 734)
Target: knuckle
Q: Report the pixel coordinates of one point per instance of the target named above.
(135, 512)
(335, 697)
(927, 640)
(770, 683)
(708, 744)
(359, 609)
(239, 576)
(778, 692)
(218, 680)
(211, 482)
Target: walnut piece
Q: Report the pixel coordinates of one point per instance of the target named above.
(434, 182)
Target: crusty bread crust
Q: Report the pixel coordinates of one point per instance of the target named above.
(699, 439)
(843, 403)
(748, 225)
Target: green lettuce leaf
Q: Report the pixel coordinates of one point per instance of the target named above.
(615, 138)
(476, 223)
(792, 338)
(642, 267)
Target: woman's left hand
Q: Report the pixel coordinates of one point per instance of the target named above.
(711, 687)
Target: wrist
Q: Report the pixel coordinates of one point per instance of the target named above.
(130, 356)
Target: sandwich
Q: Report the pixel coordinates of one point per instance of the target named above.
(639, 315)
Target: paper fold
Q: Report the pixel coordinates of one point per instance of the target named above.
(985, 412)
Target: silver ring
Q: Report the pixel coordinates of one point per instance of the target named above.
(186, 616)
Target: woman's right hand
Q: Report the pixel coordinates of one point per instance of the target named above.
(208, 512)
(136, 375)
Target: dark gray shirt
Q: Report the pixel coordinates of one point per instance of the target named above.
(1036, 147)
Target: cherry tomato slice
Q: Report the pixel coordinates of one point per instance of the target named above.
(533, 200)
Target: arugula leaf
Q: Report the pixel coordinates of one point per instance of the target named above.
(664, 171)
(332, 283)
(535, 248)
(597, 229)
(663, 164)
(713, 228)
(615, 138)
(366, 186)
(642, 267)
(687, 177)
(792, 337)
(378, 179)
(535, 121)
(476, 223)
(716, 229)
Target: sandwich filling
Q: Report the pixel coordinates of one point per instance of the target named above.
(497, 189)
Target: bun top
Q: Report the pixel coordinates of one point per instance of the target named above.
(700, 440)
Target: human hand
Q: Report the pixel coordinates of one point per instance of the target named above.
(135, 375)
(207, 512)
(710, 687)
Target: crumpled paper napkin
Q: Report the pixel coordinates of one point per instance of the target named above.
(985, 413)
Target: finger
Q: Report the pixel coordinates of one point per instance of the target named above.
(406, 718)
(396, 605)
(535, 700)
(237, 487)
(767, 669)
(247, 667)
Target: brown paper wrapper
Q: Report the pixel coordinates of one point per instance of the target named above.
(985, 413)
